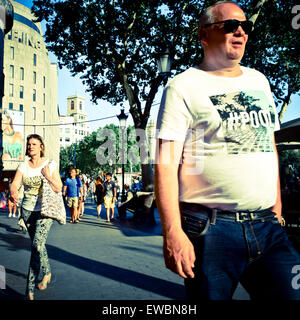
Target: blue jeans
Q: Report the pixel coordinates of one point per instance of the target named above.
(256, 253)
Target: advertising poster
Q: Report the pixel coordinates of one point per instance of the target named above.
(13, 135)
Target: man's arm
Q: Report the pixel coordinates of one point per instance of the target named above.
(64, 190)
(278, 205)
(115, 192)
(179, 252)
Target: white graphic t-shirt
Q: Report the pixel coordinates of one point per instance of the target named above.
(32, 181)
(227, 126)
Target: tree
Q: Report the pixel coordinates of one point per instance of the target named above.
(273, 48)
(87, 149)
(113, 43)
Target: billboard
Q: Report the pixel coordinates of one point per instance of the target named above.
(13, 135)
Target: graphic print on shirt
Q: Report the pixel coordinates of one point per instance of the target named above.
(248, 121)
(33, 185)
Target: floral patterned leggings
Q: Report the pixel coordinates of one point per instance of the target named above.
(38, 228)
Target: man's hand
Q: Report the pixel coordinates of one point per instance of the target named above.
(179, 254)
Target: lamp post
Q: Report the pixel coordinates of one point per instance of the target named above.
(6, 23)
(122, 119)
(164, 63)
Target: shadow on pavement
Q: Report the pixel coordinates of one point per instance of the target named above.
(136, 279)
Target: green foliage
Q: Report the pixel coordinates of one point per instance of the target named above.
(273, 48)
(113, 44)
(290, 157)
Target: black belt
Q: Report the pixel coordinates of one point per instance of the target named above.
(238, 216)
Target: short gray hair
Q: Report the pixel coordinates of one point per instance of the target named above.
(208, 14)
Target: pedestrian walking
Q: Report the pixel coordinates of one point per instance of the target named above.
(110, 196)
(219, 194)
(83, 196)
(30, 175)
(12, 207)
(99, 192)
(73, 191)
(92, 190)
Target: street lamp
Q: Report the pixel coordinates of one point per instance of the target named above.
(6, 23)
(122, 119)
(164, 62)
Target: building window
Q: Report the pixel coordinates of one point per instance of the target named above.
(21, 92)
(67, 130)
(11, 71)
(12, 53)
(44, 98)
(44, 116)
(44, 82)
(21, 73)
(10, 106)
(60, 139)
(80, 105)
(11, 90)
(34, 95)
(44, 133)
(34, 77)
(72, 105)
(21, 107)
(67, 140)
(34, 113)
(34, 59)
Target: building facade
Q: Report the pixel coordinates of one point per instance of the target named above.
(74, 126)
(30, 90)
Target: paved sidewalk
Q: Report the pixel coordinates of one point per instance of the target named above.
(93, 260)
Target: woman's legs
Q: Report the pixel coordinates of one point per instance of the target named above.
(108, 214)
(38, 229)
(98, 209)
(82, 209)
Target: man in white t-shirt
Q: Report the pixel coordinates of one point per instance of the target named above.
(216, 178)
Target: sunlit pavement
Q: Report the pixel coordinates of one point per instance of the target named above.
(94, 260)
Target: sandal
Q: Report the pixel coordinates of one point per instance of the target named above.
(43, 284)
(29, 296)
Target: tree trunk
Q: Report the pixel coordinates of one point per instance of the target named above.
(258, 7)
(284, 106)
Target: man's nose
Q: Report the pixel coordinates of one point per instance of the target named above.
(239, 31)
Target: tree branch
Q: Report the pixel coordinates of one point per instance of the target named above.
(286, 102)
(257, 9)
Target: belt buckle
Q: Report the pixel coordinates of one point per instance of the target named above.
(237, 217)
(242, 216)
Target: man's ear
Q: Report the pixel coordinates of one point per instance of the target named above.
(202, 35)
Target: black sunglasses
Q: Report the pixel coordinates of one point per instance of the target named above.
(231, 25)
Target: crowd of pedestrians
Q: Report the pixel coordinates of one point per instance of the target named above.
(104, 191)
